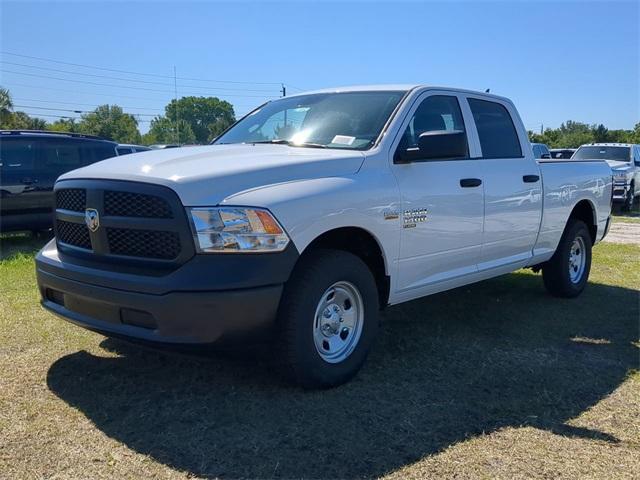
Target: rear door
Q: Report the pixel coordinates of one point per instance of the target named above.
(19, 173)
(512, 184)
(442, 216)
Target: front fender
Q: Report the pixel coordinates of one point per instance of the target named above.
(309, 208)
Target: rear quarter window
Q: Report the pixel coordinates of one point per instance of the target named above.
(96, 151)
(498, 135)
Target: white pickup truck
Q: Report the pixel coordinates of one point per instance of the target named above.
(312, 213)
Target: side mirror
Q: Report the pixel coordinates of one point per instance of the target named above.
(545, 155)
(436, 145)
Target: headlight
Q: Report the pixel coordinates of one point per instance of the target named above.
(236, 229)
(620, 177)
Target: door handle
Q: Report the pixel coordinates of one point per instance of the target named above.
(470, 182)
(530, 178)
(28, 181)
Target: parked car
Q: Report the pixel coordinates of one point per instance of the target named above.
(162, 146)
(30, 163)
(562, 152)
(540, 150)
(363, 197)
(624, 159)
(126, 148)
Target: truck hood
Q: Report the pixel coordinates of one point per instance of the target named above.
(207, 175)
(619, 166)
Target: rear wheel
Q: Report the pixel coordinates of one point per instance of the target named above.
(628, 202)
(328, 318)
(567, 272)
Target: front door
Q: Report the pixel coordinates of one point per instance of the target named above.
(442, 202)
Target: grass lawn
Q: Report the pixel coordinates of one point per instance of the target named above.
(627, 217)
(494, 380)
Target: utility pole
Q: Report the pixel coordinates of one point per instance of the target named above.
(542, 129)
(175, 93)
(284, 94)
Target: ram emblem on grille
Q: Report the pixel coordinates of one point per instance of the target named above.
(92, 219)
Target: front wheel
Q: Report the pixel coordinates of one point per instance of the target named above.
(567, 272)
(328, 318)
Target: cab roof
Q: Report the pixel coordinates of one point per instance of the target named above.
(395, 88)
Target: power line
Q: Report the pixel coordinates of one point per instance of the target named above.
(68, 117)
(119, 86)
(93, 105)
(132, 79)
(80, 111)
(83, 104)
(136, 73)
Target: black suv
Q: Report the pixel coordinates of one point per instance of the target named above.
(30, 163)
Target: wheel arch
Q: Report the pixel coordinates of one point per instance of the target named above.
(585, 210)
(361, 243)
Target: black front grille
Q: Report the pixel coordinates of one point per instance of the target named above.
(129, 204)
(139, 224)
(74, 199)
(76, 234)
(143, 243)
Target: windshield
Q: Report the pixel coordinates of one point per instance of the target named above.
(349, 120)
(619, 154)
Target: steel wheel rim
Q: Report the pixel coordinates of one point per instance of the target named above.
(338, 322)
(577, 260)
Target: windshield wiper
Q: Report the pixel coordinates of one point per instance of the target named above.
(282, 141)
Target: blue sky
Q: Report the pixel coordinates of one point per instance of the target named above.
(556, 60)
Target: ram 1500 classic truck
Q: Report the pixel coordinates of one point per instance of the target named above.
(312, 213)
(624, 160)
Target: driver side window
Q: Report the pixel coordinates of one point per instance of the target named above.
(435, 113)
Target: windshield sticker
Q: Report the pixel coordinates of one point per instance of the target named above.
(343, 140)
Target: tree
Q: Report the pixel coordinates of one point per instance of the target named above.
(22, 121)
(207, 116)
(63, 125)
(6, 105)
(634, 135)
(109, 121)
(164, 130)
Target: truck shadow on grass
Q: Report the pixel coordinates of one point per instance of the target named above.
(446, 368)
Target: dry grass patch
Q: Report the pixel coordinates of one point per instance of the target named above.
(486, 381)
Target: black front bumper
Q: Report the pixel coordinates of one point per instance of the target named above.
(209, 298)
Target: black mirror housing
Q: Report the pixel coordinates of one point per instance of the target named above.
(435, 145)
(442, 144)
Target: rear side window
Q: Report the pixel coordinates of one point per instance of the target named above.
(61, 154)
(17, 155)
(498, 136)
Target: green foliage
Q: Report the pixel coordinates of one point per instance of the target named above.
(63, 125)
(22, 121)
(164, 130)
(573, 134)
(207, 116)
(109, 121)
(6, 105)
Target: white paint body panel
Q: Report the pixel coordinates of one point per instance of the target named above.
(470, 234)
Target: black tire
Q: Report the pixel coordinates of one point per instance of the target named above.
(316, 272)
(631, 198)
(556, 272)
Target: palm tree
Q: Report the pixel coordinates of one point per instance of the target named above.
(6, 104)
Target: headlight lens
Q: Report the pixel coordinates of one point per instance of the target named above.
(619, 177)
(236, 229)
